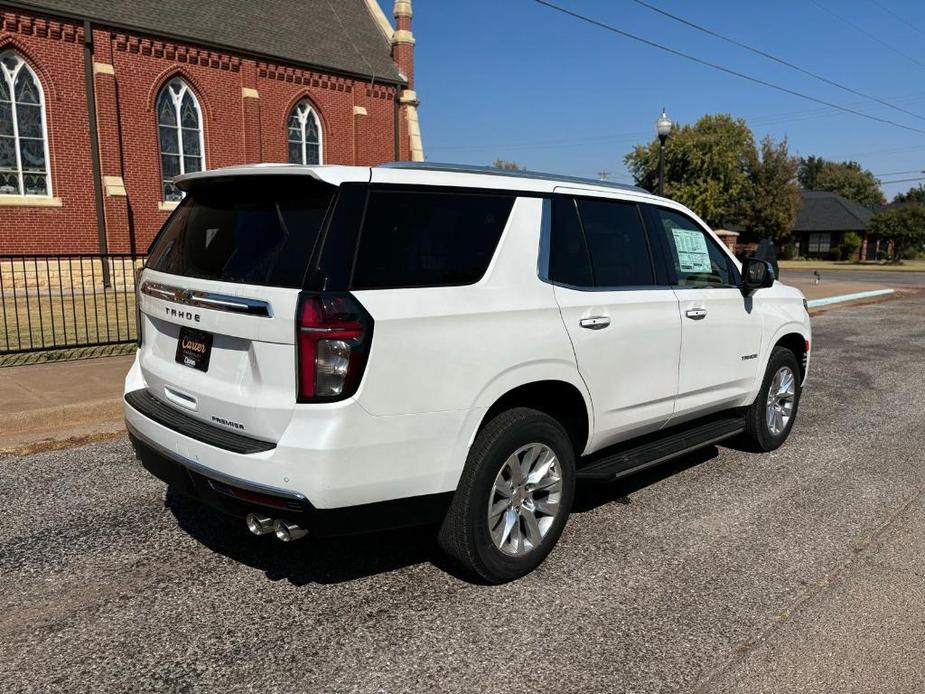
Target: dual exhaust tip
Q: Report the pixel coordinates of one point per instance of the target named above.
(284, 530)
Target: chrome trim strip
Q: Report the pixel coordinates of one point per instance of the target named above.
(210, 300)
(214, 474)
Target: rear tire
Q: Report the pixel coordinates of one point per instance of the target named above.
(513, 498)
(770, 418)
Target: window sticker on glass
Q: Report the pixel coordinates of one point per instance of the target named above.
(693, 254)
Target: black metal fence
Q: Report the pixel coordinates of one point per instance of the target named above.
(66, 302)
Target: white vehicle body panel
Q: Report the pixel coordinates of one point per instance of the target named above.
(719, 353)
(630, 366)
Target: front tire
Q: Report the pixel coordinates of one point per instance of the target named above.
(770, 418)
(513, 498)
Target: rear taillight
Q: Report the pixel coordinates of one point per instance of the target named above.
(333, 338)
(138, 318)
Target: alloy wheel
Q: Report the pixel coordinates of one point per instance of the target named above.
(781, 397)
(525, 499)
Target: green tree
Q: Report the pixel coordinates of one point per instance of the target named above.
(705, 166)
(914, 194)
(508, 165)
(904, 226)
(850, 243)
(772, 197)
(847, 178)
(810, 168)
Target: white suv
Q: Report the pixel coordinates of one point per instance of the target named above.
(331, 349)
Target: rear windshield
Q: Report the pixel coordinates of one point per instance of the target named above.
(256, 230)
(428, 239)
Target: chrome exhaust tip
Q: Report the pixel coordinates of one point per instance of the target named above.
(287, 532)
(259, 525)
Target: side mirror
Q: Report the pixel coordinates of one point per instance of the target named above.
(756, 274)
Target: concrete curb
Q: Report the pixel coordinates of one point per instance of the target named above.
(829, 300)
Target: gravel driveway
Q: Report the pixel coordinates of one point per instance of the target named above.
(799, 570)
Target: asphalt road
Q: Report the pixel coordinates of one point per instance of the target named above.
(897, 280)
(800, 570)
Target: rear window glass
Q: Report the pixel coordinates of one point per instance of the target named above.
(428, 239)
(258, 230)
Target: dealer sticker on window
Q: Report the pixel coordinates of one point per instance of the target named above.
(691, 246)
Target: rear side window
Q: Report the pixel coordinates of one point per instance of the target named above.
(617, 242)
(256, 230)
(697, 259)
(569, 262)
(428, 239)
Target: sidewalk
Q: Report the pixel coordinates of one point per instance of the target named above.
(828, 288)
(42, 404)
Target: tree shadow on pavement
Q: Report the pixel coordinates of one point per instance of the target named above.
(310, 560)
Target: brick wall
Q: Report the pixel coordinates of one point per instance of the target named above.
(245, 104)
(54, 51)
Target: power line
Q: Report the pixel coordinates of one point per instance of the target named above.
(776, 59)
(867, 33)
(903, 180)
(899, 173)
(904, 21)
(782, 118)
(721, 68)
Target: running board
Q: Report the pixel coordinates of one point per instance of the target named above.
(657, 450)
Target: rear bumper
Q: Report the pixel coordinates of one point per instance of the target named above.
(237, 497)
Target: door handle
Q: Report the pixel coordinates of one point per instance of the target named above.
(696, 313)
(596, 323)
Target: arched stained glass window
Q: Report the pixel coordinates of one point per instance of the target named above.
(304, 135)
(179, 129)
(23, 133)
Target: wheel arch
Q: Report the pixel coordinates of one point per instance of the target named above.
(561, 400)
(797, 343)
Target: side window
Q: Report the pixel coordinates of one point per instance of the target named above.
(698, 261)
(428, 239)
(617, 243)
(569, 262)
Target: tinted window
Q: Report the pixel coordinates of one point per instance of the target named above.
(428, 239)
(697, 259)
(258, 230)
(617, 242)
(569, 262)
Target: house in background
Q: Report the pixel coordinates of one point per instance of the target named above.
(102, 104)
(823, 220)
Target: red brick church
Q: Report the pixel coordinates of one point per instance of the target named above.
(101, 104)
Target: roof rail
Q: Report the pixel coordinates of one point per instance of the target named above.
(494, 171)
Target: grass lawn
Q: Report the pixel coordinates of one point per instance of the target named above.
(907, 266)
(47, 323)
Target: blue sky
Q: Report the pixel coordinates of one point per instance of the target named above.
(515, 80)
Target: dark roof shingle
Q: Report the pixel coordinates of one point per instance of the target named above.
(337, 34)
(824, 211)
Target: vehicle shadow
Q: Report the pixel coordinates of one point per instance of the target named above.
(310, 560)
(343, 559)
(590, 495)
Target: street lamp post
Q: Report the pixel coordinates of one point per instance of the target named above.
(663, 128)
